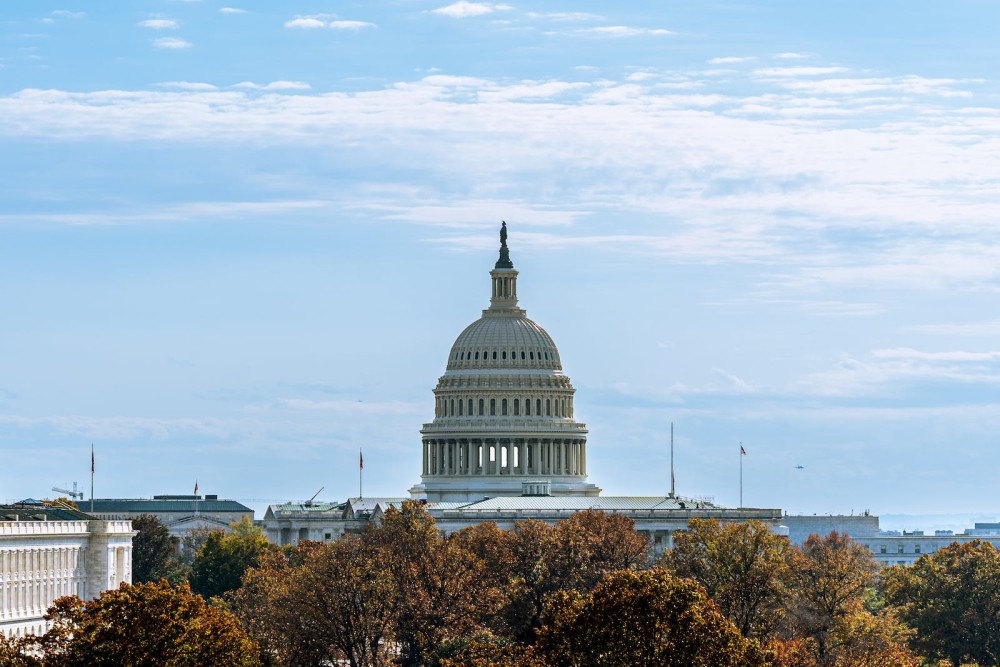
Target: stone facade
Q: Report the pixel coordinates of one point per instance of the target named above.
(43, 558)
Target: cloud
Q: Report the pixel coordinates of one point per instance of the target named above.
(565, 16)
(159, 24)
(987, 328)
(731, 60)
(464, 9)
(772, 72)
(274, 85)
(187, 85)
(790, 55)
(66, 14)
(621, 31)
(232, 10)
(172, 43)
(956, 355)
(306, 22)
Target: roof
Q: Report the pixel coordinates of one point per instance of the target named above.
(577, 503)
(33, 510)
(112, 505)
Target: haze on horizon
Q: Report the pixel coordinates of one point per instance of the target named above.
(238, 240)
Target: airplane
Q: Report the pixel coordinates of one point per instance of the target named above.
(800, 467)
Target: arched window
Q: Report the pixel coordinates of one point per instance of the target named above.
(494, 354)
(460, 404)
(505, 354)
(517, 407)
(470, 407)
(548, 407)
(522, 355)
(503, 407)
(477, 354)
(538, 407)
(453, 407)
(527, 407)
(482, 404)
(513, 354)
(493, 407)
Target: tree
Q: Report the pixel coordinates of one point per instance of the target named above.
(143, 625)
(742, 566)
(220, 562)
(442, 589)
(952, 599)
(642, 617)
(154, 551)
(832, 577)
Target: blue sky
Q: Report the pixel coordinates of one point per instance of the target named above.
(237, 240)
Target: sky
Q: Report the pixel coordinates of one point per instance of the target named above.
(238, 240)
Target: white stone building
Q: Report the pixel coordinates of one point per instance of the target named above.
(180, 514)
(47, 552)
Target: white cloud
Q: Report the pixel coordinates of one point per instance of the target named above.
(988, 328)
(66, 14)
(790, 55)
(274, 85)
(232, 10)
(798, 71)
(307, 22)
(731, 60)
(159, 24)
(351, 25)
(187, 85)
(464, 9)
(565, 16)
(173, 43)
(956, 355)
(621, 31)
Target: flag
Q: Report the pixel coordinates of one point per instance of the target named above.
(743, 452)
(361, 460)
(196, 487)
(91, 459)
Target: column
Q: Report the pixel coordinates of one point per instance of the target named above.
(484, 457)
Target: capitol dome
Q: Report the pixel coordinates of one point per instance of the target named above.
(503, 411)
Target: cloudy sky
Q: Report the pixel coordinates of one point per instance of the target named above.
(238, 240)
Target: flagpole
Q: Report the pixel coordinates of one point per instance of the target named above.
(361, 470)
(741, 474)
(91, 478)
(672, 460)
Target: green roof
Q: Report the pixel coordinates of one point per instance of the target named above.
(159, 505)
(38, 511)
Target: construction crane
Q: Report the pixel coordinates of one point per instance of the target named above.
(74, 494)
(309, 503)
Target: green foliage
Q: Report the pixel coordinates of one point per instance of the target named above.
(154, 552)
(952, 599)
(644, 617)
(219, 563)
(145, 625)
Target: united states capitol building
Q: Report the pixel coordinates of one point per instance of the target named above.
(504, 445)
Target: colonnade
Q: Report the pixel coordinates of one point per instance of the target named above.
(504, 456)
(548, 405)
(32, 577)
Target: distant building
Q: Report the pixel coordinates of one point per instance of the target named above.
(504, 445)
(49, 551)
(180, 514)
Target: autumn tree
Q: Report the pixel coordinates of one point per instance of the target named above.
(832, 604)
(952, 599)
(742, 566)
(154, 551)
(220, 562)
(642, 617)
(143, 625)
(442, 589)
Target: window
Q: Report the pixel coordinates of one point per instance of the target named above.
(527, 407)
(538, 407)
(531, 355)
(493, 407)
(916, 548)
(882, 549)
(453, 407)
(494, 354)
(548, 407)
(482, 405)
(504, 355)
(477, 354)
(470, 407)
(460, 408)
(517, 407)
(522, 355)
(503, 407)
(899, 549)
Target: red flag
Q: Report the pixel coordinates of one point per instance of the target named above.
(196, 487)
(743, 451)
(361, 460)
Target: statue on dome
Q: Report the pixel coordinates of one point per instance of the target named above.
(504, 261)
